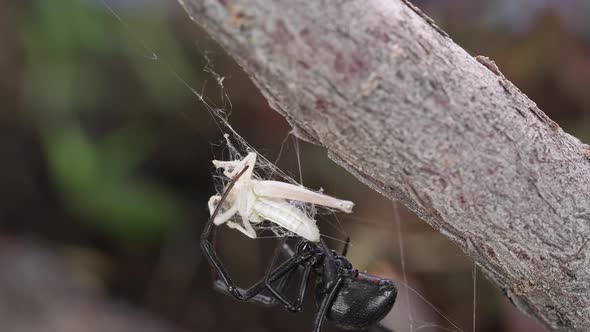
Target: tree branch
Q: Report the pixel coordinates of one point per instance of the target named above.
(415, 117)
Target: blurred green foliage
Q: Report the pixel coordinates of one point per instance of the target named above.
(72, 51)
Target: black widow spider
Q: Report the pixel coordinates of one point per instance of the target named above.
(349, 298)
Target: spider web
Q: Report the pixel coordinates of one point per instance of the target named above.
(235, 147)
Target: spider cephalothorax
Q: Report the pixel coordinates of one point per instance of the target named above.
(361, 300)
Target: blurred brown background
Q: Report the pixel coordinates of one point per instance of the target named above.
(106, 171)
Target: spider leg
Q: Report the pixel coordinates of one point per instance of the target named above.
(261, 298)
(296, 305)
(285, 281)
(209, 233)
(325, 305)
(235, 170)
(301, 295)
(224, 216)
(346, 245)
(260, 286)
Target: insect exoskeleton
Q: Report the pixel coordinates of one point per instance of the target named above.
(258, 200)
(287, 216)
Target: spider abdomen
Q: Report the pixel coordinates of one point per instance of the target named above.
(287, 216)
(362, 302)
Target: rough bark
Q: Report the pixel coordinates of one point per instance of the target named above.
(402, 107)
